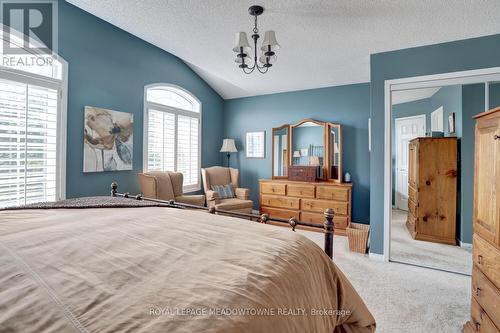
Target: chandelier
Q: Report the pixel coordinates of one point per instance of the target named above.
(248, 62)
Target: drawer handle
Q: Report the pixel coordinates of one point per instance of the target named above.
(479, 259)
(478, 326)
(478, 291)
(496, 137)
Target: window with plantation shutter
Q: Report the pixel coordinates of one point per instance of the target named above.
(172, 139)
(32, 123)
(28, 143)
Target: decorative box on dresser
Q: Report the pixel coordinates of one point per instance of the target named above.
(485, 312)
(432, 188)
(306, 201)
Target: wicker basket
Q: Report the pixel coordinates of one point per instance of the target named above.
(357, 235)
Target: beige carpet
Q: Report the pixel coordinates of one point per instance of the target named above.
(404, 298)
(442, 256)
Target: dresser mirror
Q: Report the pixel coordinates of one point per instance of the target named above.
(335, 151)
(308, 143)
(281, 142)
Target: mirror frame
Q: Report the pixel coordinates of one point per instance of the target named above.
(275, 129)
(327, 126)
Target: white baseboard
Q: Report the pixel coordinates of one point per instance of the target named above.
(376, 256)
(467, 246)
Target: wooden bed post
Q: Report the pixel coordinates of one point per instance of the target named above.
(114, 189)
(329, 230)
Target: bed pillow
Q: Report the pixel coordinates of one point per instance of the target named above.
(225, 191)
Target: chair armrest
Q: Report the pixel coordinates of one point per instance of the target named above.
(242, 193)
(212, 197)
(196, 199)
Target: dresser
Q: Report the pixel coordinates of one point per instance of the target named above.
(307, 201)
(432, 189)
(485, 303)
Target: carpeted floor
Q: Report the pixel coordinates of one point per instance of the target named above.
(404, 298)
(442, 256)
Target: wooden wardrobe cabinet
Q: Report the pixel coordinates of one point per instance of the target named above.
(307, 201)
(432, 189)
(485, 311)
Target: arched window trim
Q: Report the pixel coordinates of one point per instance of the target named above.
(178, 111)
(59, 84)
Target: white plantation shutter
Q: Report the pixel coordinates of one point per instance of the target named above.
(173, 133)
(28, 138)
(187, 149)
(161, 141)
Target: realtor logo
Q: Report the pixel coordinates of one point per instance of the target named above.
(29, 25)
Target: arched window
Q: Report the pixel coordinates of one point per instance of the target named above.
(32, 124)
(172, 132)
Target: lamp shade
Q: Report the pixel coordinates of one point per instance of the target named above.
(248, 60)
(272, 59)
(242, 42)
(296, 153)
(269, 40)
(228, 146)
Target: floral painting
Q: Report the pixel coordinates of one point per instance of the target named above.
(108, 140)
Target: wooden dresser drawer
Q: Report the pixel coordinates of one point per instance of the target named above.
(273, 188)
(340, 222)
(300, 190)
(486, 294)
(280, 202)
(486, 258)
(280, 213)
(337, 193)
(481, 322)
(320, 206)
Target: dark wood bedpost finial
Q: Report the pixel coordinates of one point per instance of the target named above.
(293, 223)
(264, 218)
(329, 230)
(211, 210)
(114, 189)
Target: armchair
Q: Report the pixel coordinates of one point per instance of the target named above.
(222, 176)
(167, 185)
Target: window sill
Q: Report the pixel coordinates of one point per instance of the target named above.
(191, 188)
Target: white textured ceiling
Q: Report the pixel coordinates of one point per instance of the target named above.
(323, 42)
(404, 96)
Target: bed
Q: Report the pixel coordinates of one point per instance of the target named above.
(153, 269)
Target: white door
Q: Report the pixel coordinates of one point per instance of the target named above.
(406, 129)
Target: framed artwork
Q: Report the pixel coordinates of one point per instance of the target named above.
(451, 123)
(256, 144)
(107, 140)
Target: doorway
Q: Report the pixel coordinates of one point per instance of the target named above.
(406, 129)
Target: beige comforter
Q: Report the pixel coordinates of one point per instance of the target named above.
(166, 270)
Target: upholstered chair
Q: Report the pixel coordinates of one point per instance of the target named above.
(167, 185)
(222, 176)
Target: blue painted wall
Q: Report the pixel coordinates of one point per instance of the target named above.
(494, 95)
(441, 58)
(472, 104)
(109, 68)
(348, 105)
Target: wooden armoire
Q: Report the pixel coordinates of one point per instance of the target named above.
(485, 311)
(432, 189)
